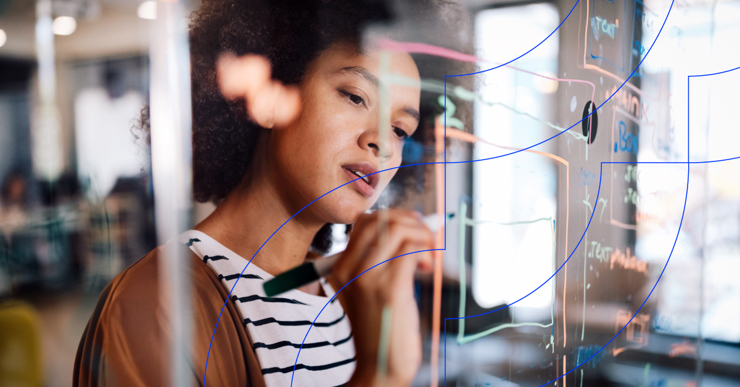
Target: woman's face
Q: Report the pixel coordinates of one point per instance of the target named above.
(337, 136)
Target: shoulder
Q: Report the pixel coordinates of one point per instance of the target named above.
(134, 308)
(138, 300)
(143, 284)
(137, 285)
(128, 336)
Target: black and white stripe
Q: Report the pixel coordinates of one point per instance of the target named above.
(254, 297)
(284, 343)
(206, 258)
(306, 323)
(230, 277)
(299, 366)
(277, 325)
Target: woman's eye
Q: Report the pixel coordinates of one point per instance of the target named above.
(355, 99)
(400, 133)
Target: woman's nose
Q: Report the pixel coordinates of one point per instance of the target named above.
(381, 144)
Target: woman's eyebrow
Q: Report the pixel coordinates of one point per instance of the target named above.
(360, 71)
(413, 113)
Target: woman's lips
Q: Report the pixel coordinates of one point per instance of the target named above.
(361, 185)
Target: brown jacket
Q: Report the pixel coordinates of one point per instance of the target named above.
(126, 341)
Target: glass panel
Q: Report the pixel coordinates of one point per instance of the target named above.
(120, 129)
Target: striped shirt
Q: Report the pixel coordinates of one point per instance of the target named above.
(277, 325)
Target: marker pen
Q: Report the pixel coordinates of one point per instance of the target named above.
(313, 270)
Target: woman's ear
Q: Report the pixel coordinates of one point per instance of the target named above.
(269, 103)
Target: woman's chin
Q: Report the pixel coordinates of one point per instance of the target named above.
(346, 211)
(342, 206)
(346, 216)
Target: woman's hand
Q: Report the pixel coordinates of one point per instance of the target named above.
(387, 285)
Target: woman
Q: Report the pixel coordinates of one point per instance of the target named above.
(262, 150)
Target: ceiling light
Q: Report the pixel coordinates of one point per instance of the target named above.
(147, 10)
(64, 25)
(3, 38)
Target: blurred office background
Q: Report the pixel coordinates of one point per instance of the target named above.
(76, 205)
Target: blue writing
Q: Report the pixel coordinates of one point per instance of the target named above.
(585, 178)
(659, 383)
(627, 142)
(638, 48)
(640, 15)
(662, 323)
(583, 353)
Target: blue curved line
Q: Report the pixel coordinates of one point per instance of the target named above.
(683, 213)
(228, 296)
(673, 162)
(709, 75)
(688, 174)
(530, 50)
(584, 233)
(598, 192)
(563, 264)
(388, 169)
(597, 195)
(270, 237)
(335, 296)
(592, 213)
(281, 226)
(553, 274)
(581, 120)
(688, 164)
(445, 157)
(429, 163)
(715, 161)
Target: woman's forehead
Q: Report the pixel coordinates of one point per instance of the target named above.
(342, 57)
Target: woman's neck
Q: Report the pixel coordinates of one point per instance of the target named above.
(249, 215)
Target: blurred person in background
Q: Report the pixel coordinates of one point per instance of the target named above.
(13, 217)
(13, 203)
(290, 114)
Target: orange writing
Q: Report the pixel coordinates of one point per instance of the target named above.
(628, 261)
(685, 348)
(637, 332)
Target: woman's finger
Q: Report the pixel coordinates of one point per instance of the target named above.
(425, 261)
(401, 236)
(366, 237)
(403, 267)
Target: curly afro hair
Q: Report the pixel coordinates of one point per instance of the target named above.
(290, 34)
